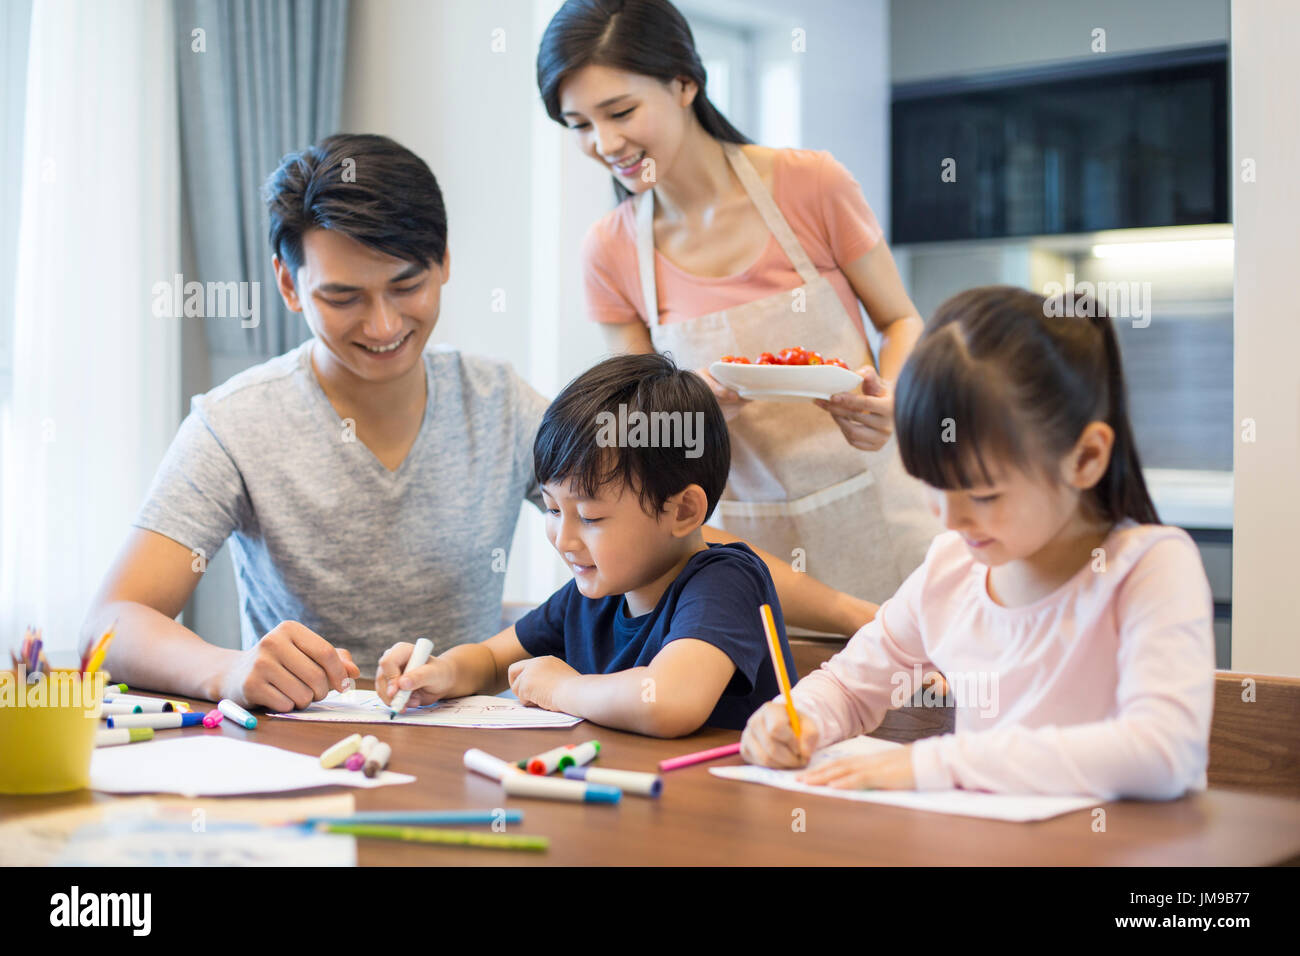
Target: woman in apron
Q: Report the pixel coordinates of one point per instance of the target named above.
(821, 482)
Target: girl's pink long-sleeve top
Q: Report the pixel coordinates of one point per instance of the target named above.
(1105, 686)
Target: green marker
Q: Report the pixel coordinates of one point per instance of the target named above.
(495, 841)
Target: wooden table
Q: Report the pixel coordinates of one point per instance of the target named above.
(703, 820)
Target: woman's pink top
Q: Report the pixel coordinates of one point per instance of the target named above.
(1104, 687)
(818, 197)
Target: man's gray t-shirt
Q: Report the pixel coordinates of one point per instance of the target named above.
(322, 533)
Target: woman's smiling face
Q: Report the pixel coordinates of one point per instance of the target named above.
(622, 120)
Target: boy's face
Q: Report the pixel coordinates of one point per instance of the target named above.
(609, 542)
(372, 312)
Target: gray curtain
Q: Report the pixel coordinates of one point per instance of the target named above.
(268, 81)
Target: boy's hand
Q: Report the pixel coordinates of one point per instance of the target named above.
(428, 683)
(288, 669)
(887, 771)
(535, 680)
(769, 741)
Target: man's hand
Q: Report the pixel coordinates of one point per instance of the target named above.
(536, 680)
(288, 669)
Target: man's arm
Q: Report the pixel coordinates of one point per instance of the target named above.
(806, 602)
(146, 588)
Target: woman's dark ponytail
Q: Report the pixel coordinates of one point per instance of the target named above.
(647, 37)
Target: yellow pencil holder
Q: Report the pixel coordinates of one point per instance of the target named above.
(47, 733)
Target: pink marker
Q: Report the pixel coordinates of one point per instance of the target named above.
(687, 759)
(355, 762)
(212, 718)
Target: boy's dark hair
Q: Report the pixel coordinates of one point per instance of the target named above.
(570, 448)
(364, 186)
(1002, 372)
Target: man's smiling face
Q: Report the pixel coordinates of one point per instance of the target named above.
(372, 312)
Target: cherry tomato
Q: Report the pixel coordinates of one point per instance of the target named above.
(836, 362)
(767, 358)
(815, 358)
(735, 359)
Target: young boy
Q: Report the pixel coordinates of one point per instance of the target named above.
(659, 632)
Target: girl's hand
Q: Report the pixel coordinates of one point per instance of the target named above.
(536, 680)
(769, 741)
(887, 771)
(866, 417)
(730, 401)
(429, 682)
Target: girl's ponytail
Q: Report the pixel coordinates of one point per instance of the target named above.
(1122, 491)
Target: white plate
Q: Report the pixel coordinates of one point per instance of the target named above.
(785, 383)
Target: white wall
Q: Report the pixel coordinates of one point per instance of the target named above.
(454, 81)
(1265, 90)
(943, 38)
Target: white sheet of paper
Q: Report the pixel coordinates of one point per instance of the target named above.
(365, 707)
(211, 766)
(145, 842)
(1016, 808)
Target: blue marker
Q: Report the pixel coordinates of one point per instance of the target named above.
(425, 817)
(156, 721)
(237, 713)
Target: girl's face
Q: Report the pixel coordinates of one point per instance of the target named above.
(1021, 512)
(630, 123)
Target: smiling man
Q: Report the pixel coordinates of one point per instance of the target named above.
(368, 486)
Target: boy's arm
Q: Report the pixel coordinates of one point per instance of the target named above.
(805, 601)
(671, 696)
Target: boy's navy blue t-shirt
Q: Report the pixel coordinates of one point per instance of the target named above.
(715, 599)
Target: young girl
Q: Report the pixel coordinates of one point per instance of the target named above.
(1073, 628)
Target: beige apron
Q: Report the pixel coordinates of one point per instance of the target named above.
(853, 519)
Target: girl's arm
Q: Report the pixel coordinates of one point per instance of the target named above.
(1155, 747)
(876, 672)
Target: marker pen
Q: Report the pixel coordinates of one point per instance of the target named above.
(552, 788)
(576, 755)
(156, 721)
(419, 656)
(126, 735)
(237, 713)
(642, 784)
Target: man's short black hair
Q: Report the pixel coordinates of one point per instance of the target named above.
(683, 441)
(363, 186)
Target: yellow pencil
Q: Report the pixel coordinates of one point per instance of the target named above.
(778, 664)
(101, 649)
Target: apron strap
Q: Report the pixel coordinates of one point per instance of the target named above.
(758, 195)
(767, 208)
(645, 254)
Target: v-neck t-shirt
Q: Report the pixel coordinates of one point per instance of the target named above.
(322, 533)
(818, 197)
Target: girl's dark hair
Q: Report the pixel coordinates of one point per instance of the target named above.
(571, 446)
(1004, 373)
(648, 37)
(364, 186)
